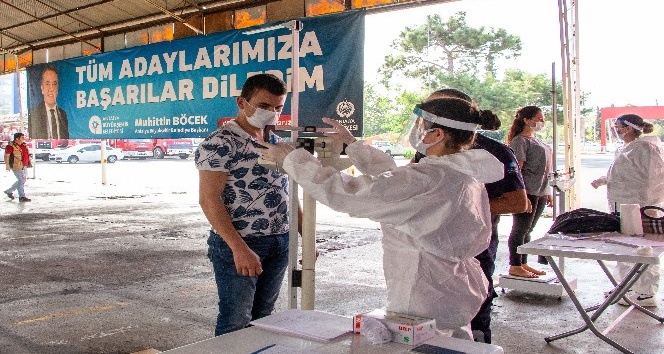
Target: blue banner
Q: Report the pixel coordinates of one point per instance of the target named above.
(185, 88)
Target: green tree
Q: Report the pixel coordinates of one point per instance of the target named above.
(389, 112)
(438, 49)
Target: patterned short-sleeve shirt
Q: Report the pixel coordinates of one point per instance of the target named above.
(255, 197)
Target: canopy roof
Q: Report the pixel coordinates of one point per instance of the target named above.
(35, 24)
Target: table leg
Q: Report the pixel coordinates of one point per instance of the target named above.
(629, 301)
(590, 322)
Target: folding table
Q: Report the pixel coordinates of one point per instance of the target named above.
(600, 250)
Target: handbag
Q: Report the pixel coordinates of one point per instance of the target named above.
(584, 220)
(652, 225)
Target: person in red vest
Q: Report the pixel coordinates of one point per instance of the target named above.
(17, 160)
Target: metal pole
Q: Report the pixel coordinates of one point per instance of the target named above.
(103, 162)
(554, 122)
(295, 27)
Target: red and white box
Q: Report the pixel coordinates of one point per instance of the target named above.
(406, 329)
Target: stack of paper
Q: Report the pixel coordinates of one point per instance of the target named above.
(313, 325)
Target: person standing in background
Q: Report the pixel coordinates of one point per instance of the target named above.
(535, 161)
(47, 120)
(636, 176)
(17, 160)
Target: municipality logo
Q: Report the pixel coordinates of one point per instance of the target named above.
(95, 125)
(345, 109)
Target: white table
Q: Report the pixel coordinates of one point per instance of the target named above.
(552, 246)
(251, 339)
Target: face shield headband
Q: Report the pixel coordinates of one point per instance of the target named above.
(446, 122)
(626, 122)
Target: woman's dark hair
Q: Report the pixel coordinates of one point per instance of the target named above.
(267, 82)
(636, 120)
(450, 92)
(458, 110)
(527, 112)
(490, 121)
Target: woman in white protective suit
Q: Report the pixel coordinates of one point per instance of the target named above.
(434, 215)
(636, 176)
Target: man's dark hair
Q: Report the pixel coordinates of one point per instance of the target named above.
(49, 68)
(18, 135)
(267, 82)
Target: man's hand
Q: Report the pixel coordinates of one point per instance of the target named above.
(341, 133)
(276, 152)
(247, 263)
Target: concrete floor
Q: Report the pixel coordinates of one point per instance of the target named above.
(123, 268)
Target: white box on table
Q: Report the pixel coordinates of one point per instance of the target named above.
(407, 329)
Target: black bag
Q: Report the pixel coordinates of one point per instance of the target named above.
(652, 225)
(585, 220)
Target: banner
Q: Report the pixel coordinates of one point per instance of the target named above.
(183, 88)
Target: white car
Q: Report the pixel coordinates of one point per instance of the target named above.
(86, 153)
(390, 148)
(181, 150)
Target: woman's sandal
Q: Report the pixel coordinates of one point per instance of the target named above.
(533, 270)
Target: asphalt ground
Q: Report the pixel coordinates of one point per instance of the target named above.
(122, 267)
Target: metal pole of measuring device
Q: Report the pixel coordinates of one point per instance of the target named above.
(295, 277)
(309, 203)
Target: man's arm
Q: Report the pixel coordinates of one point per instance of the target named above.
(8, 151)
(211, 185)
(513, 202)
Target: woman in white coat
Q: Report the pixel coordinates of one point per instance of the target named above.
(434, 215)
(636, 176)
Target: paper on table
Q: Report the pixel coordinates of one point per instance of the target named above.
(314, 325)
(280, 349)
(580, 243)
(636, 241)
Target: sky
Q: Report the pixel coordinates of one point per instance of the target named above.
(619, 49)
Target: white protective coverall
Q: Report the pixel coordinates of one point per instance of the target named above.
(636, 176)
(434, 216)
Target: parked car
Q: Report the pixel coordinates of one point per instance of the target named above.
(86, 153)
(390, 148)
(181, 150)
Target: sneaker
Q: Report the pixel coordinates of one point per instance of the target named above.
(24, 199)
(10, 195)
(642, 300)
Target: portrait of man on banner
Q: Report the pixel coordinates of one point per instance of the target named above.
(46, 120)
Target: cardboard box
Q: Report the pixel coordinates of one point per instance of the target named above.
(412, 330)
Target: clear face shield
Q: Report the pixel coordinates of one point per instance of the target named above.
(618, 130)
(416, 129)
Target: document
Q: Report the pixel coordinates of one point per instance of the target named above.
(313, 325)
(280, 349)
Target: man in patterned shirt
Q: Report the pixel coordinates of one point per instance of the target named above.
(247, 207)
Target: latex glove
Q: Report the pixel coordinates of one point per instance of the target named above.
(598, 182)
(341, 133)
(276, 152)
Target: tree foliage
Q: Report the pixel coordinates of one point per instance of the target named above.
(437, 49)
(453, 55)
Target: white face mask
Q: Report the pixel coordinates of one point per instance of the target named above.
(416, 139)
(538, 126)
(261, 117)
